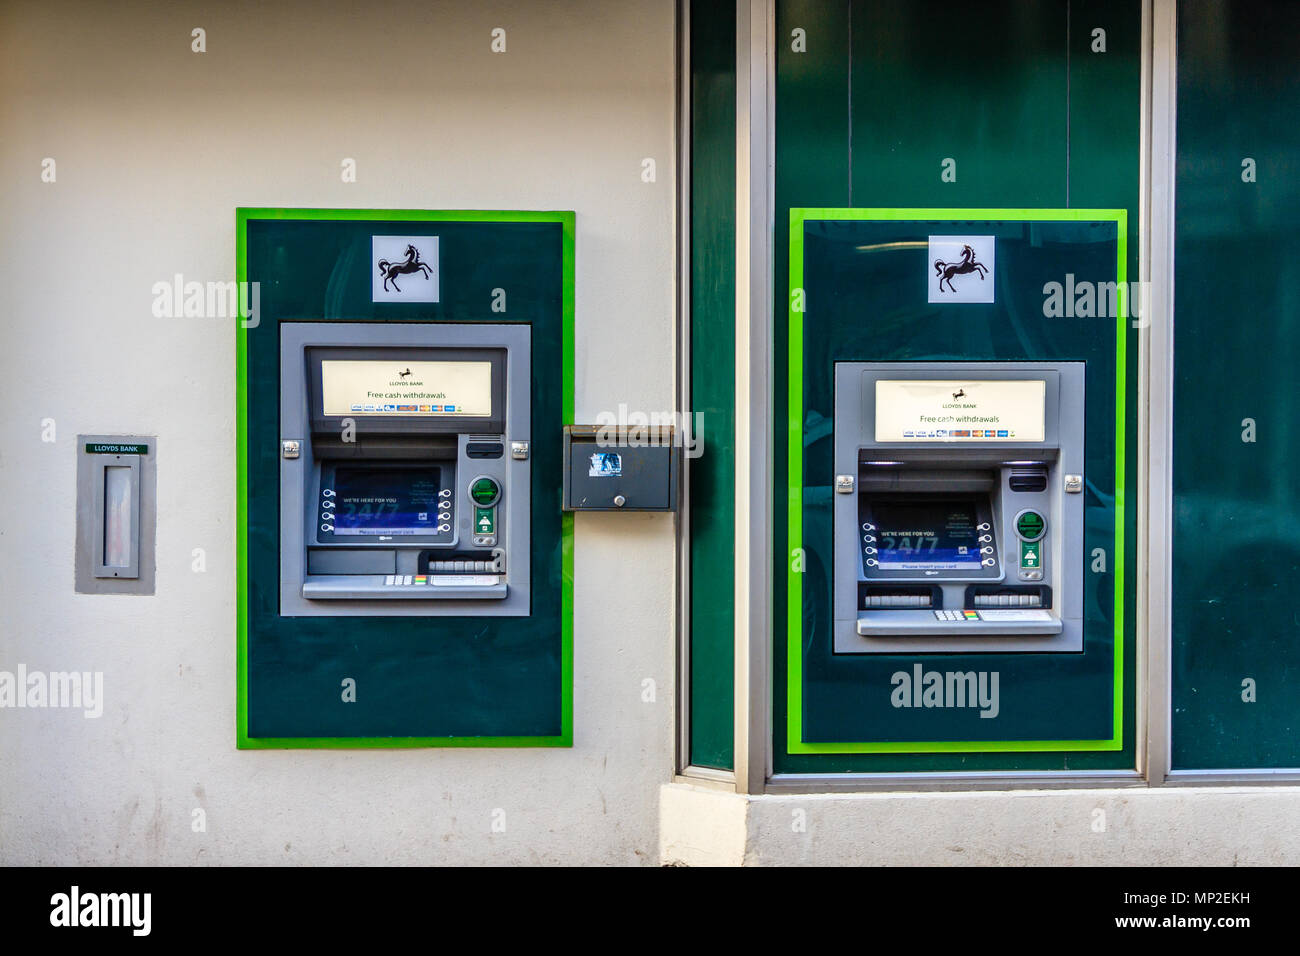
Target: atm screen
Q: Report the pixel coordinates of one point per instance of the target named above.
(386, 500)
(926, 535)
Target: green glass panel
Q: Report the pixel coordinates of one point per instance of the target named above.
(713, 382)
(1236, 520)
(884, 92)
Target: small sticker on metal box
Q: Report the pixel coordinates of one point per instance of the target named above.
(605, 464)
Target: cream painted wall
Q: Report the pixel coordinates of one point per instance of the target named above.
(155, 146)
(1137, 826)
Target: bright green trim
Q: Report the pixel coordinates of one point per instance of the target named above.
(243, 215)
(964, 215)
(246, 213)
(566, 523)
(794, 590)
(241, 487)
(956, 747)
(566, 650)
(371, 743)
(1121, 423)
(794, 495)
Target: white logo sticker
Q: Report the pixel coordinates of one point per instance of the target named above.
(961, 268)
(405, 268)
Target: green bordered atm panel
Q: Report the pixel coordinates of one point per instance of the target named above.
(405, 569)
(959, 590)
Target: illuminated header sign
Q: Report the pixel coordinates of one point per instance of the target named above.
(960, 411)
(406, 388)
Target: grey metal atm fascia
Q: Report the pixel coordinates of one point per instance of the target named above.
(1062, 449)
(515, 520)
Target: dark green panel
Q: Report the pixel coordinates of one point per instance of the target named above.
(438, 677)
(1237, 348)
(1031, 122)
(981, 84)
(1104, 124)
(1105, 143)
(812, 169)
(812, 106)
(713, 362)
(861, 279)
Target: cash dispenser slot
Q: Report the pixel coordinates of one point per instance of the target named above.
(893, 477)
(878, 596)
(981, 596)
(330, 446)
(461, 562)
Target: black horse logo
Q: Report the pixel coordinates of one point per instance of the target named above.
(960, 393)
(407, 372)
(946, 270)
(390, 271)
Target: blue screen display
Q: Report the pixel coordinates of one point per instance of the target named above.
(923, 535)
(387, 500)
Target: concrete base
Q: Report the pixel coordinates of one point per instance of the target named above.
(1173, 826)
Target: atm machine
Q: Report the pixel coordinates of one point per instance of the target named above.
(958, 507)
(404, 469)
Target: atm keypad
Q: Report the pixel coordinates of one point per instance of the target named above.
(956, 615)
(462, 568)
(993, 614)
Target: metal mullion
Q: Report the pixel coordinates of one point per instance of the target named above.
(755, 23)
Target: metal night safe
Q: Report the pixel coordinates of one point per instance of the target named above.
(628, 469)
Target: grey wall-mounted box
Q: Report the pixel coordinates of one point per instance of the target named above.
(116, 514)
(607, 469)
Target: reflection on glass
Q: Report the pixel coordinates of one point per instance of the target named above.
(117, 516)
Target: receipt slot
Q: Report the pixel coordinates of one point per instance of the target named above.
(958, 509)
(404, 469)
